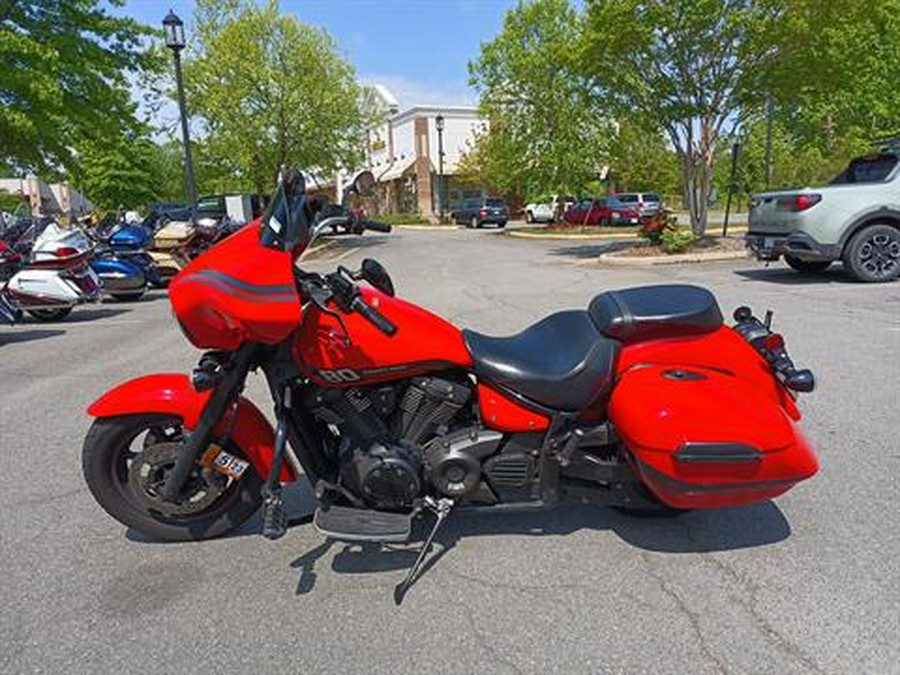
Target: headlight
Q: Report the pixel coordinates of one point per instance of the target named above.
(616, 215)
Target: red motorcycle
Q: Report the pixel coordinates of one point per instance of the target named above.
(644, 400)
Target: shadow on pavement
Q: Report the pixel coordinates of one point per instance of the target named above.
(789, 277)
(27, 336)
(592, 250)
(690, 532)
(85, 314)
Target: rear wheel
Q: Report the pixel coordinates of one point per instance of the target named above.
(50, 314)
(126, 460)
(807, 266)
(873, 254)
(129, 297)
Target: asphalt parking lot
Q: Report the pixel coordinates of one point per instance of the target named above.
(808, 583)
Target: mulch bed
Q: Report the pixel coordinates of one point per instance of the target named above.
(705, 245)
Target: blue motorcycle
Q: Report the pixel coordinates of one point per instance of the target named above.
(129, 242)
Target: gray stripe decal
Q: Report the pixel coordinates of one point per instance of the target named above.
(249, 297)
(243, 285)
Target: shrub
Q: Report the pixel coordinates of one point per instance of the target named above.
(401, 219)
(654, 227)
(675, 240)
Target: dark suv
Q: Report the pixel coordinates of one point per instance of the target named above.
(477, 212)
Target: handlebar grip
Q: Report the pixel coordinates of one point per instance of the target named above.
(373, 316)
(376, 226)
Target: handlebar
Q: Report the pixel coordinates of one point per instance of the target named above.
(373, 316)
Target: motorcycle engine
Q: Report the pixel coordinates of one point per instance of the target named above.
(384, 431)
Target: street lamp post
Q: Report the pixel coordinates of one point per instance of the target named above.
(439, 123)
(174, 29)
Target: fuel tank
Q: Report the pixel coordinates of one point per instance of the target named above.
(362, 354)
(239, 290)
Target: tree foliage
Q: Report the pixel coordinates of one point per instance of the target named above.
(701, 69)
(271, 90)
(546, 132)
(64, 80)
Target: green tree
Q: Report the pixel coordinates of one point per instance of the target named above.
(271, 90)
(546, 131)
(701, 69)
(641, 160)
(64, 79)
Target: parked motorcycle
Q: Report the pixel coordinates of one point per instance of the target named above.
(129, 241)
(643, 400)
(122, 278)
(50, 289)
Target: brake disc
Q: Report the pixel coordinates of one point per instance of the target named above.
(147, 474)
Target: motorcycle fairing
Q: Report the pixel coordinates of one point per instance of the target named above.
(238, 291)
(503, 414)
(172, 394)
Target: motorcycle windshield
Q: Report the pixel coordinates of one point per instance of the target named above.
(285, 224)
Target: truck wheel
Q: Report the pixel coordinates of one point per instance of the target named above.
(474, 223)
(873, 254)
(529, 218)
(807, 266)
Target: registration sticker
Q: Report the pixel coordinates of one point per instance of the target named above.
(226, 463)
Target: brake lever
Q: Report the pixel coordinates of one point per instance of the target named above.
(320, 295)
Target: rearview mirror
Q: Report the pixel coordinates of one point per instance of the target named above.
(374, 273)
(364, 184)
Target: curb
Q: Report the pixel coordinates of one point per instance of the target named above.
(613, 259)
(587, 237)
(428, 227)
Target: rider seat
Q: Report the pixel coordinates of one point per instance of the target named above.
(561, 362)
(654, 312)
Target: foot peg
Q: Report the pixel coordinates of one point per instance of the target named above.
(349, 524)
(274, 518)
(441, 509)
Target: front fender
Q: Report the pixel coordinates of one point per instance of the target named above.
(172, 394)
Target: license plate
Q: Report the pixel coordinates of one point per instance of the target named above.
(226, 463)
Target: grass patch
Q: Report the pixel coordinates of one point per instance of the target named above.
(401, 219)
(579, 229)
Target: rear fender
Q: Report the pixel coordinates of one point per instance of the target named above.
(174, 395)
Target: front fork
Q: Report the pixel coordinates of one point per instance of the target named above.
(225, 392)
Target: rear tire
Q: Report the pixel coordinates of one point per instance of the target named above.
(50, 314)
(129, 297)
(807, 266)
(107, 449)
(873, 254)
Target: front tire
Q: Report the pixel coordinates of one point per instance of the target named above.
(529, 218)
(873, 254)
(213, 506)
(47, 315)
(473, 223)
(807, 266)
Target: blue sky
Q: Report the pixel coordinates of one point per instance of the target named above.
(418, 49)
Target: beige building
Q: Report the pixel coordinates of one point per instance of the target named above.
(47, 199)
(403, 154)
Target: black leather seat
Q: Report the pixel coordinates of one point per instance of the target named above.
(561, 362)
(652, 312)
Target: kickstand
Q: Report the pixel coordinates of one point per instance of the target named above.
(441, 509)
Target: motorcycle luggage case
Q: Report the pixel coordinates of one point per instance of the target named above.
(702, 438)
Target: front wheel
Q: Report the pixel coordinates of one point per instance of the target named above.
(473, 223)
(126, 460)
(50, 314)
(529, 218)
(807, 266)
